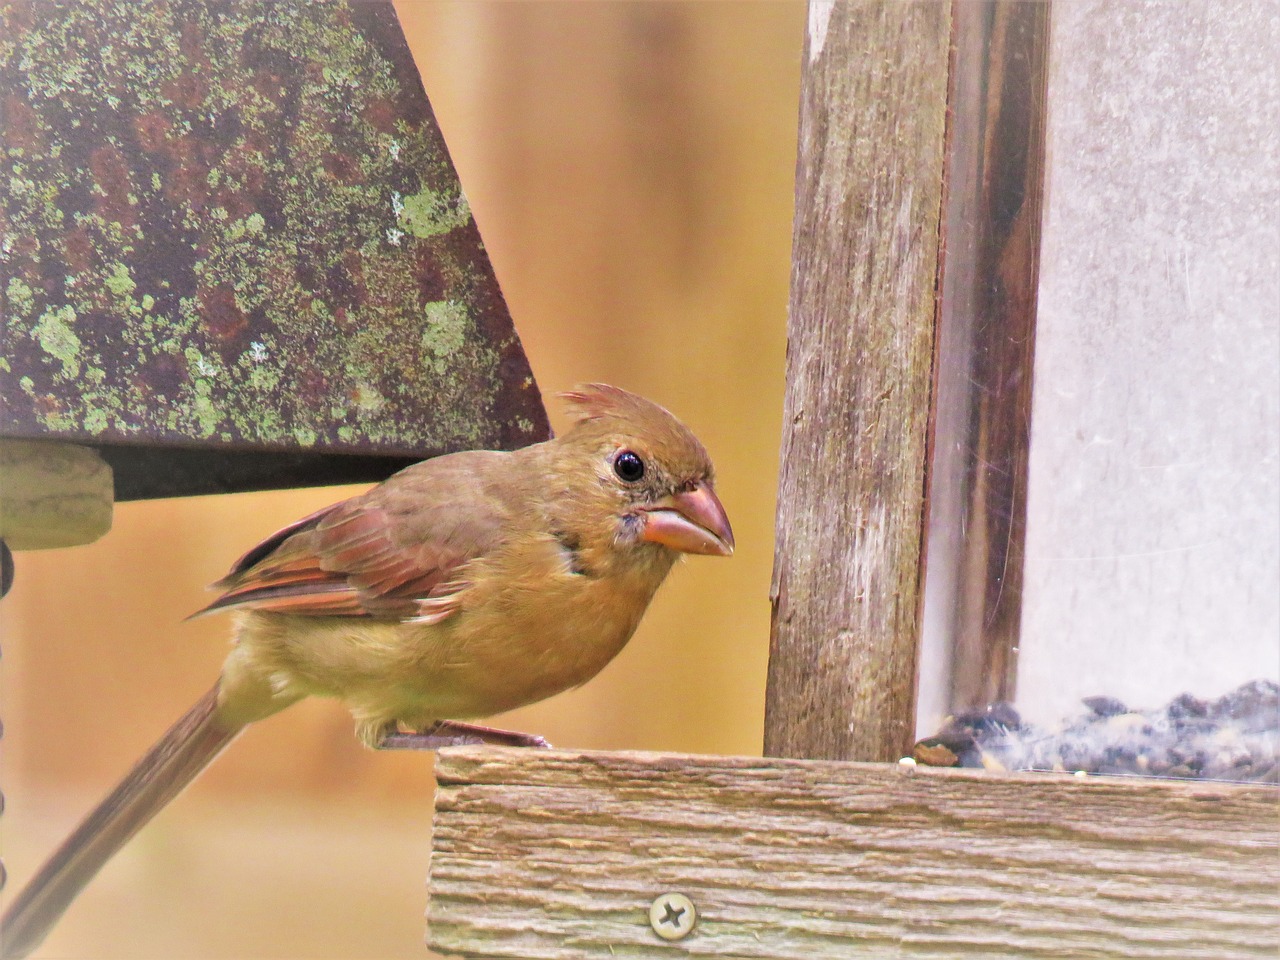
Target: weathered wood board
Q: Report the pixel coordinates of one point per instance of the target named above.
(52, 495)
(550, 854)
(860, 339)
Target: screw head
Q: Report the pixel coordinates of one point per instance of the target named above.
(672, 916)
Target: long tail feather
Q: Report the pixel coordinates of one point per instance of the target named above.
(190, 745)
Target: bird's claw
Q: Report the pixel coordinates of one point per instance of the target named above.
(451, 733)
(422, 741)
(531, 740)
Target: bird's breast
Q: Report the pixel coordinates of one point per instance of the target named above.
(537, 622)
(529, 625)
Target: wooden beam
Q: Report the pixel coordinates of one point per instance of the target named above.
(549, 854)
(52, 495)
(851, 497)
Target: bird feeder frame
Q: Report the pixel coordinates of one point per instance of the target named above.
(907, 253)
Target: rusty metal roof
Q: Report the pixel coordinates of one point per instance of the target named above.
(234, 251)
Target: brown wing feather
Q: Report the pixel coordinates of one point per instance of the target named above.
(272, 543)
(393, 553)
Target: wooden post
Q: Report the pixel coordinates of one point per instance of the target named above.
(852, 491)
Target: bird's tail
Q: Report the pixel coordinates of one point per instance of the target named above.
(190, 745)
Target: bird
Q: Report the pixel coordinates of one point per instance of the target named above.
(463, 586)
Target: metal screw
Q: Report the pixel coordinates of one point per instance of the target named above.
(672, 916)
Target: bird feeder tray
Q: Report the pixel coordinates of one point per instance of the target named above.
(558, 854)
(236, 253)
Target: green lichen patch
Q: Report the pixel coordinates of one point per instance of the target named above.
(119, 282)
(446, 331)
(430, 213)
(55, 332)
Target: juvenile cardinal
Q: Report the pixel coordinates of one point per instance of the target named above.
(460, 587)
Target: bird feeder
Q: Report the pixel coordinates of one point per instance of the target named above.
(929, 610)
(932, 603)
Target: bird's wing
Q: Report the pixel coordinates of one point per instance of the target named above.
(394, 553)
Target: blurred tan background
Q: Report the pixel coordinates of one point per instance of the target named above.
(630, 166)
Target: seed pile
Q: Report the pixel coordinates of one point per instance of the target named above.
(1236, 737)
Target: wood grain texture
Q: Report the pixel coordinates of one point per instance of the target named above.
(52, 495)
(550, 854)
(851, 493)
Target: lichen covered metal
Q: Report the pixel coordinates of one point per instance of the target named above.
(237, 225)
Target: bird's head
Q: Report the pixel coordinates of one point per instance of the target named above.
(650, 471)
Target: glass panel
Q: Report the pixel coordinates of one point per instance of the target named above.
(1149, 636)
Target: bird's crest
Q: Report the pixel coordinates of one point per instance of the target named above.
(597, 401)
(627, 418)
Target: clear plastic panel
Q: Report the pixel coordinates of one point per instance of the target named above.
(1147, 638)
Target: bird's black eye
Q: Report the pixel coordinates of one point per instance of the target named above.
(628, 466)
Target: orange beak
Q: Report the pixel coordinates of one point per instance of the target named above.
(691, 522)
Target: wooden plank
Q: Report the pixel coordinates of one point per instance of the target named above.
(52, 495)
(851, 498)
(555, 854)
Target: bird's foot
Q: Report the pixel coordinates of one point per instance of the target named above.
(451, 733)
